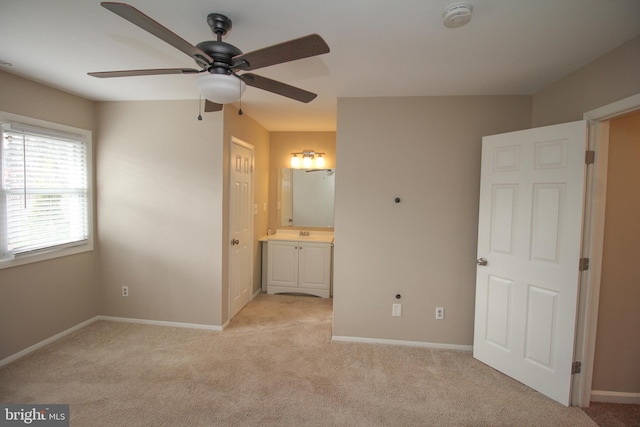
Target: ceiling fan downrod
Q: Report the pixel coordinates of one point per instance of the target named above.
(220, 24)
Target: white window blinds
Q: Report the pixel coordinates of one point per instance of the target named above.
(44, 186)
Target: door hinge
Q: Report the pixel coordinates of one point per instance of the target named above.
(590, 157)
(576, 368)
(583, 265)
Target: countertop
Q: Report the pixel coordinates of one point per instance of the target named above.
(294, 235)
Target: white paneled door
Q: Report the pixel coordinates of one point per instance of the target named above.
(240, 225)
(529, 248)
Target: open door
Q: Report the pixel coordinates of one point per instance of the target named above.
(529, 249)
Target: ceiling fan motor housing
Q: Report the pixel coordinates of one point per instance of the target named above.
(222, 54)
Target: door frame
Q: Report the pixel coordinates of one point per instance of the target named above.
(238, 141)
(593, 242)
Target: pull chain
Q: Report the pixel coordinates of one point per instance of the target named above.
(240, 88)
(200, 108)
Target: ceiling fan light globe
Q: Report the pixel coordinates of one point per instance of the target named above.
(220, 88)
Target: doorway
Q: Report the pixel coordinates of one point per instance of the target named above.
(616, 373)
(593, 246)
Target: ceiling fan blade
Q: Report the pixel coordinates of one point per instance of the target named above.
(151, 72)
(278, 87)
(138, 18)
(211, 106)
(304, 47)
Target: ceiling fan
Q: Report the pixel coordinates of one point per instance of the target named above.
(220, 63)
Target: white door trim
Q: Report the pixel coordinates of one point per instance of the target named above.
(593, 240)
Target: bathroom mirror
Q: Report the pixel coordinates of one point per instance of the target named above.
(306, 197)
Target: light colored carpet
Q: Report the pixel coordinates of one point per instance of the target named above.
(614, 414)
(274, 365)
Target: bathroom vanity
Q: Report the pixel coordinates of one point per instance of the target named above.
(298, 262)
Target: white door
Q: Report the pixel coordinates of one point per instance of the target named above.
(529, 233)
(240, 225)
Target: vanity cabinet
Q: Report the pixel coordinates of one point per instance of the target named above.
(299, 267)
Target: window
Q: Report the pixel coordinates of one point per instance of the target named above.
(46, 197)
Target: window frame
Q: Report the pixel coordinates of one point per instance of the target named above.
(9, 260)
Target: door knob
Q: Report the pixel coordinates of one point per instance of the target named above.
(482, 261)
(235, 242)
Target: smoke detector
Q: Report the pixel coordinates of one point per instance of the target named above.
(457, 15)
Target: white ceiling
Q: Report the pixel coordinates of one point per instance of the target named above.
(378, 48)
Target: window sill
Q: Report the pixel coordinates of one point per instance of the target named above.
(45, 255)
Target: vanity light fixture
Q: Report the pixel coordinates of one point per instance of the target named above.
(307, 160)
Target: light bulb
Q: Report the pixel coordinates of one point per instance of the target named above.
(320, 161)
(306, 162)
(295, 161)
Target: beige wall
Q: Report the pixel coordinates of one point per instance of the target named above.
(611, 77)
(160, 180)
(285, 143)
(617, 344)
(427, 152)
(251, 132)
(42, 299)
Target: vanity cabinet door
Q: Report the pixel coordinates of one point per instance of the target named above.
(314, 265)
(283, 264)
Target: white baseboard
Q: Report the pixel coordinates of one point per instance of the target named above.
(401, 342)
(615, 397)
(160, 323)
(48, 341)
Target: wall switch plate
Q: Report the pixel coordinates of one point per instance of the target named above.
(439, 313)
(125, 291)
(396, 310)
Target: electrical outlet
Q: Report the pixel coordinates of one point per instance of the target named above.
(125, 291)
(439, 313)
(396, 311)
